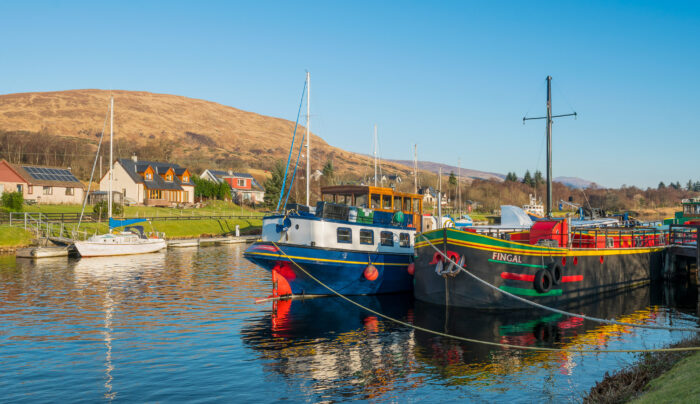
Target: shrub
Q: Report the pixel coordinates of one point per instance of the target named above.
(12, 201)
(99, 211)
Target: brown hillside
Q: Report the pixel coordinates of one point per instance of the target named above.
(202, 134)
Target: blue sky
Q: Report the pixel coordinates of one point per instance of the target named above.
(454, 77)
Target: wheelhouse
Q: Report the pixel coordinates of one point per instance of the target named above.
(377, 199)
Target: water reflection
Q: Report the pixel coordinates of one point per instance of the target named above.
(182, 325)
(338, 346)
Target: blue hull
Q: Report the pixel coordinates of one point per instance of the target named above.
(341, 270)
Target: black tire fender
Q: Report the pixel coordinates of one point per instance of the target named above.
(543, 280)
(555, 270)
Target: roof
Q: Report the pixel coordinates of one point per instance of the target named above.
(134, 168)
(47, 176)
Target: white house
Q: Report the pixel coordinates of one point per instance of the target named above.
(150, 183)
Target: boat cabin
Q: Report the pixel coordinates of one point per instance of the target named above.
(377, 199)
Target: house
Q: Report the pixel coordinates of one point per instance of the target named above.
(389, 180)
(430, 196)
(243, 186)
(41, 184)
(150, 183)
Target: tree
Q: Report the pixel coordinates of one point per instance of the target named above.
(511, 177)
(527, 179)
(452, 180)
(690, 185)
(100, 212)
(662, 185)
(273, 185)
(329, 173)
(538, 177)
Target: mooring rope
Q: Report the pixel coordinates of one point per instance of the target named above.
(566, 313)
(472, 340)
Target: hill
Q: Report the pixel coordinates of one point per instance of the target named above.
(446, 169)
(198, 133)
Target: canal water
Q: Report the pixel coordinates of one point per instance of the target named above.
(183, 325)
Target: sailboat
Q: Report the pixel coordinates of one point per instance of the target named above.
(132, 239)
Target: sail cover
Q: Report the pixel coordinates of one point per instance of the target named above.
(513, 216)
(123, 222)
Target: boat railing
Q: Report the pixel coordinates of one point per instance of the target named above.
(620, 237)
(683, 234)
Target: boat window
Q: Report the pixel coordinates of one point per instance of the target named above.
(386, 201)
(407, 204)
(416, 206)
(397, 203)
(387, 239)
(375, 202)
(344, 235)
(366, 236)
(327, 197)
(361, 201)
(404, 240)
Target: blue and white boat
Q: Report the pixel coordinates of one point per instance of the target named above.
(358, 240)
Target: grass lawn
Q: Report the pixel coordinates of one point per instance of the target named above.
(678, 385)
(14, 237)
(181, 229)
(213, 208)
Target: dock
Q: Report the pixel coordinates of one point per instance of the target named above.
(683, 252)
(211, 241)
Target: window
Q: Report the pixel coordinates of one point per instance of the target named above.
(149, 176)
(386, 239)
(169, 177)
(30, 189)
(48, 190)
(397, 203)
(375, 202)
(185, 179)
(404, 240)
(386, 202)
(124, 192)
(416, 206)
(241, 183)
(344, 235)
(19, 188)
(407, 204)
(70, 191)
(361, 200)
(366, 236)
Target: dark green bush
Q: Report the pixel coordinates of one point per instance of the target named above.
(13, 201)
(99, 211)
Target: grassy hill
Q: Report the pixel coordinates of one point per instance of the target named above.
(197, 133)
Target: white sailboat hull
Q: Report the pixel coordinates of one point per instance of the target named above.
(103, 248)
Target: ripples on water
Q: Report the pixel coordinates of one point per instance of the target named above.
(182, 325)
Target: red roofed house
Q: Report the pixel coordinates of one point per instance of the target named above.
(41, 184)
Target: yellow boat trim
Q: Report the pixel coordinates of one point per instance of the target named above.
(326, 260)
(564, 252)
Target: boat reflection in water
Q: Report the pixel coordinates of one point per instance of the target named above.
(338, 346)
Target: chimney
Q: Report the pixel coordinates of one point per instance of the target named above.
(134, 158)
(230, 172)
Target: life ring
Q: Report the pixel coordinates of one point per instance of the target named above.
(411, 269)
(555, 270)
(543, 281)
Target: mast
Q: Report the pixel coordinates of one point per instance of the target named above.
(549, 119)
(308, 135)
(549, 146)
(375, 155)
(459, 179)
(111, 135)
(415, 168)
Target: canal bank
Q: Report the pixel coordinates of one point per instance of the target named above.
(656, 377)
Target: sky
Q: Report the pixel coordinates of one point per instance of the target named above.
(455, 78)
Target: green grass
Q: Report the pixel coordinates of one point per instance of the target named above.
(678, 385)
(181, 229)
(213, 208)
(14, 237)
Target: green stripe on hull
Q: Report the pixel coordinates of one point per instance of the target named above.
(529, 292)
(517, 263)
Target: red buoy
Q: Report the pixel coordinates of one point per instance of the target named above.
(371, 273)
(411, 268)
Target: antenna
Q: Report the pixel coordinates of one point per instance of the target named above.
(549, 118)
